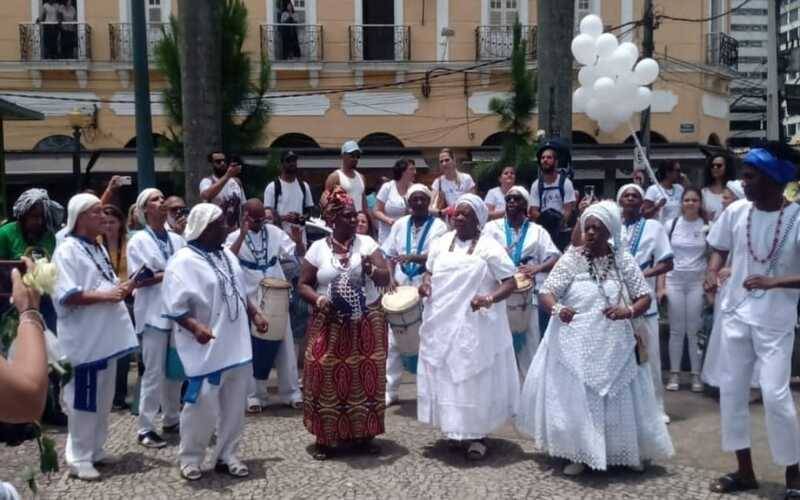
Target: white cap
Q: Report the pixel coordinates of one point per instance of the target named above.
(350, 147)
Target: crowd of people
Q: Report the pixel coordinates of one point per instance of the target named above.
(523, 318)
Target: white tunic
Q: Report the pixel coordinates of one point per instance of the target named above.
(452, 190)
(328, 267)
(95, 332)
(496, 198)
(394, 206)
(260, 255)
(397, 244)
(774, 309)
(537, 246)
(193, 288)
(647, 241)
(354, 186)
(145, 249)
(673, 206)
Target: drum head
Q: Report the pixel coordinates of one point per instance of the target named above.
(275, 283)
(523, 282)
(403, 298)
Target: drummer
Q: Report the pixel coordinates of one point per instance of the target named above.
(260, 246)
(406, 248)
(534, 254)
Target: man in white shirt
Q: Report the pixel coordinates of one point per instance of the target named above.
(287, 195)
(552, 198)
(224, 188)
(351, 180)
(761, 235)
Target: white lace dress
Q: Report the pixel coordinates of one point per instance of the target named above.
(585, 398)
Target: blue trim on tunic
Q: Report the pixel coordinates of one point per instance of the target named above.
(85, 377)
(151, 327)
(176, 317)
(264, 354)
(69, 293)
(195, 384)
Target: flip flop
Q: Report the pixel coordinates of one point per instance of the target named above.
(476, 450)
(253, 408)
(732, 483)
(191, 472)
(234, 469)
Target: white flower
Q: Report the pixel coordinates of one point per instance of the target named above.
(43, 277)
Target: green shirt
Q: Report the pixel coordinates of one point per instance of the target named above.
(13, 244)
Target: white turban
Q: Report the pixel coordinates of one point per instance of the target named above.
(520, 191)
(608, 213)
(737, 188)
(418, 188)
(141, 202)
(626, 187)
(477, 205)
(77, 205)
(199, 218)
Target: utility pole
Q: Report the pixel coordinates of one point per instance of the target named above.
(144, 122)
(201, 82)
(554, 78)
(648, 47)
(774, 125)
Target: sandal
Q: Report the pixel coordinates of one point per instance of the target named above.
(476, 450)
(234, 469)
(731, 483)
(191, 472)
(321, 452)
(253, 408)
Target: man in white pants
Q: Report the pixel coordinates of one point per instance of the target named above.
(94, 329)
(406, 248)
(762, 237)
(204, 293)
(148, 252)
(260, 247)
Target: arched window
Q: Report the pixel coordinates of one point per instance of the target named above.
(655, 138)
(158, 141)
(580, 137)
(56, 143)
(496, 139)
(380, 140)
(294, 140)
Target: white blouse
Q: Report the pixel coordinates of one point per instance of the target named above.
(321, 256)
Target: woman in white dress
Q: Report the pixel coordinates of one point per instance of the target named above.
(391, 204)
(719, 172)
(467, 381)
(586, 398)
(449, 186)
(496, 197)
(662, 201)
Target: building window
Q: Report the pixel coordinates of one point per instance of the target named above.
(503, 12)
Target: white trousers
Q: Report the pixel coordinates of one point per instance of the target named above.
(218, 407)
(394, 367)
(87, 431)
(157, 391)
(654, 358)
(685, 306)
(288, 381)
(741, 346)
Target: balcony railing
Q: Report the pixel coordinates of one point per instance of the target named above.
(292, 42)
(56, 42)
(497, 42)
(380, 42)
(722, 50)
(121, 40)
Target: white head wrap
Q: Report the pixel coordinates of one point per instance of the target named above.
(141, 202)
(477, 205)
(77, 205)
(608, 213)
(520, 191)
(418, 188)
(737, 188)
(199, 218)
(626, 187)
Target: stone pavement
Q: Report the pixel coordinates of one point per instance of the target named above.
(415, 463)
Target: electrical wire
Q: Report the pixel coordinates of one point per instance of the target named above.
(704, 19)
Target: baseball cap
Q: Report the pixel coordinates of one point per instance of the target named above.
(288, 154)
(350, 147)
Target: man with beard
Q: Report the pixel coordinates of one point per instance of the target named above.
(176, 214)
(552, 197)
(348, 178)
(289, 196)
(224, 188)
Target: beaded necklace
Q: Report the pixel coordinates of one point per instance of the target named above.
(340, 264)
(471, 246)
(227, 282)
(515, 247)
(775, 237)
(413, 269)
(104, 267)
(164, 246)
(259, 254)
(632, 237)
(599, 270)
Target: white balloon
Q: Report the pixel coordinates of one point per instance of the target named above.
(632, 50)
(594, 109)
(646, 71)
(583, 48)
(608, 126)
(620, 61)
(643, 99)
(592, 25)
(603, 68)
(587, 75)
(606, 44)
(604, 88)
(579, 99)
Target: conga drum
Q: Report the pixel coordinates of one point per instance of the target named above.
(519, 305)
(403, 311)
(274, 305)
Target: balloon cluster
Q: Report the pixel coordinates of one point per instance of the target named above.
(612, 83)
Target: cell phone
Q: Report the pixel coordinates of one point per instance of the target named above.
(125, 180)
(5, 275)
(588, 191)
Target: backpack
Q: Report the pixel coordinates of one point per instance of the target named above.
(562, 179)
(279, 192)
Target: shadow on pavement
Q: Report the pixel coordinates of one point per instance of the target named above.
(500, 453)
(390, 453)
(133, 463)
(222, 483)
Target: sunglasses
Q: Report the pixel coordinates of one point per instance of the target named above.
(218, 160)
(354, 155)
(180, 212)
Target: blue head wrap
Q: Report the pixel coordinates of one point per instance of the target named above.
(780, 171)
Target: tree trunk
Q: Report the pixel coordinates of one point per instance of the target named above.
(554, 91)
(201, 82)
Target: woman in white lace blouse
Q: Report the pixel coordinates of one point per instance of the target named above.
(587, 398)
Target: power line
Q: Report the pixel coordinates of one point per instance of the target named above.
(704, 19)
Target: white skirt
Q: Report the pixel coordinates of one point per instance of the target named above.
(473, 408)
(568, 420)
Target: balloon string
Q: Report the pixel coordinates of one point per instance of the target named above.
(647, 166)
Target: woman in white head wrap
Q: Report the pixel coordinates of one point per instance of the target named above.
(585, 397)
(467, 383)
(534, 254)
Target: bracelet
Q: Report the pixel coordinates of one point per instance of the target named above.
(25, 317)
(630, 310)
(556, 310)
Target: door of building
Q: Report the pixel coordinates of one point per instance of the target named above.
(378, 30)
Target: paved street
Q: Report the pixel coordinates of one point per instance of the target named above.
(415, 463)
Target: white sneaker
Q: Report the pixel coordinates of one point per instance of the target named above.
(697, 384)
(666, 418)
(674, 382)
(574, 469)
(84, 472)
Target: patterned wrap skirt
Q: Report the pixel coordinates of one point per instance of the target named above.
(344, 376)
